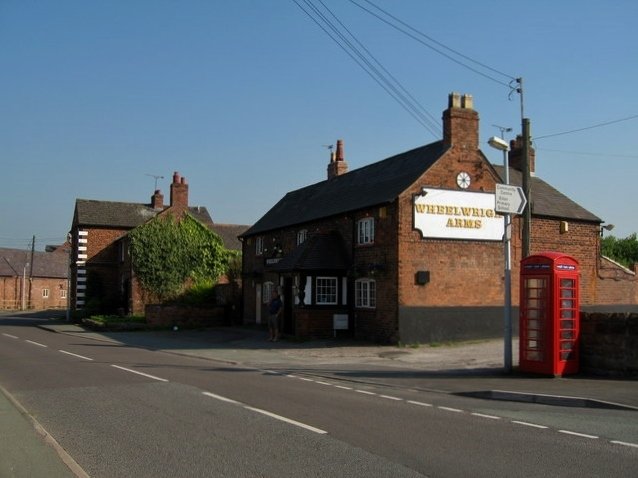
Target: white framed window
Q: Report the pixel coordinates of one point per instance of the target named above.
(302, 236)
(266, 291)
(62, 293)
(45, 293)
(259, 246)
(365, 231)
(365, 291)
(326, 290)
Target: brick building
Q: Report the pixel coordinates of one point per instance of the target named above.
(35, 281)
(410, 248)
(101, 272)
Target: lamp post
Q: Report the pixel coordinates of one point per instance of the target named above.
(500, 144)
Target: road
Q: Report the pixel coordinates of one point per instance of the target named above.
(126, 411)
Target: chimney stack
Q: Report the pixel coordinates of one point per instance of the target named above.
(338, 165)
(157, 200)
(461, 122)
(515, 157)
(179, 191)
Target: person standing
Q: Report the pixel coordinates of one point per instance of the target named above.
(275, 306)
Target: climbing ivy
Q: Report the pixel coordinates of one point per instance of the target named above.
(167, 254)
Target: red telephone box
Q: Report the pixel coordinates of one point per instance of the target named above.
(549, 314)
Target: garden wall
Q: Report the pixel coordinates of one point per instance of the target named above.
(185, 316)
(609, 343)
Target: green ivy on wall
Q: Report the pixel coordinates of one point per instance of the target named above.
(167, 254)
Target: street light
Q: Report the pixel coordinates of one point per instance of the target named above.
(500, 144)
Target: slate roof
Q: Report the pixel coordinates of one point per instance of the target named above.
(90, 212)
(45, 264)
(377, 183)
(229, 234)
(547, 201)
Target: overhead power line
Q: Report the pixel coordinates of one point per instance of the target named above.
(599, 125)
(422, 35)
(367, 62)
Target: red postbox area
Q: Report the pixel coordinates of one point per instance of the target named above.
(549, 314)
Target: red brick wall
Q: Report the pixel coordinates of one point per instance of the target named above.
(11, 293)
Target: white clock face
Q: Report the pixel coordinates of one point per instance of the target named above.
(463, 180)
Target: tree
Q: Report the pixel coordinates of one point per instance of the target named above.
(624, 251)
(167, 254)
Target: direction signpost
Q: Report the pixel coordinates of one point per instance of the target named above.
(510, 199)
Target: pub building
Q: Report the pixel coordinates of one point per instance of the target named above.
(410, 248)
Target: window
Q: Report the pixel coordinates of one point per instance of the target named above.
(45, 293)
(266, 293)
(365, 291)
(301, 236)
(326, 290)
(62, 293)
(259, 246)
(365, 231)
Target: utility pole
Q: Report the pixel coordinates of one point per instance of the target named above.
(31, 271)
(527, 212)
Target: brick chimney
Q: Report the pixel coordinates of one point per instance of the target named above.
(157, 200)
(179, 191)
(461, 122)
(515, 157)
(338, 165)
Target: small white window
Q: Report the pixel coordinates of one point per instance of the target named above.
(266, 293)
(326, 288)
(259, 246)
(365, 231)
(301, 236)
(365, 291)
(45, 293)
(62, 293)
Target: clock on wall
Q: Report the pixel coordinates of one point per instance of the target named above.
(463, 180)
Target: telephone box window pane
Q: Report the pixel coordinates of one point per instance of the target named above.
(567, 293)
(534, 324)
(535, 283)
(535, 303)
(534, 334)
(567, 334)
(535, 293)
(567, 283)
(567, 304)
(536, 355)
(567, 314)
(533, 314)
(566, 324)
(566, 355)
(533, 344)
(567, 346)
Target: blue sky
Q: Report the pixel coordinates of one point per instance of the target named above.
(241, 96)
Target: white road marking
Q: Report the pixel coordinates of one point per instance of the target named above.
(624, 443)
(342, 387)
(527, 424)
(390, 397)
(140, 373)
(365, 392)
(287, 420)
(36, 343)
(323, 383)
(306, 379)
(482, 415)
(448, 409)
(582, 435)
(421, 404)
(264, 412)
(75, 355)
(10, 336)
(223, 399)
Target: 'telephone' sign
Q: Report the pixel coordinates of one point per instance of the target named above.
(445, 214)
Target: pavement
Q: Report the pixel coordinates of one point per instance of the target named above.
(473, 369)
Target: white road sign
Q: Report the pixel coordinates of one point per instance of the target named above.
(509, 199)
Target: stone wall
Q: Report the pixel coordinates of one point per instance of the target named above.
(609, 343)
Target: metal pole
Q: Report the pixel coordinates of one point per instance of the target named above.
(507, 339)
